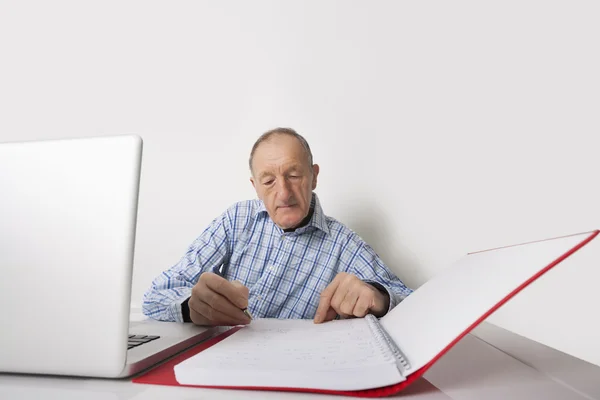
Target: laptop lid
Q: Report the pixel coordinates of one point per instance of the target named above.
(68, 215)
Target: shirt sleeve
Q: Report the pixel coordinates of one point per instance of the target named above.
(162, 301)
(370, 269)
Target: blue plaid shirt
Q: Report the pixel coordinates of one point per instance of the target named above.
(284, 271)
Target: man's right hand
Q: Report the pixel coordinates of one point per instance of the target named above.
(216, 301)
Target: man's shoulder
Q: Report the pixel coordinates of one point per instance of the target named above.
(244, 210)
(342, 233)
(350, 240)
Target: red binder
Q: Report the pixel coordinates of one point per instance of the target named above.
(164, 374)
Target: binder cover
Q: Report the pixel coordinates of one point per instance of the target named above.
(164, 374)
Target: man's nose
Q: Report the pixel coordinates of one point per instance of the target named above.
(283, 191)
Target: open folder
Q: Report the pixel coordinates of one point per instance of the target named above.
(369, 357)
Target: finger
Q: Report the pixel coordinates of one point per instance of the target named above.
(339, 296)
(222, 305)
(221, 318)
(211, 316)
(201, 292)
(245, 292)
(349, 302)
(363, 305)
(225, 288)
(325, 300)
(195, 316)
(330, 315)
(198, 318)
(349, 286)
(216, 318)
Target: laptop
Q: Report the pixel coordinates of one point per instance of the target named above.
(68, 211)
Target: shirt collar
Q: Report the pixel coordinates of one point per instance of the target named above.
(318, 219)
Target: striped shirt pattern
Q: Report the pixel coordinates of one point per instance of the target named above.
(285, 272)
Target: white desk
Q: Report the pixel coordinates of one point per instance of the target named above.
(490, 364)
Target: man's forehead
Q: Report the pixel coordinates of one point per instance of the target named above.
(275, 168)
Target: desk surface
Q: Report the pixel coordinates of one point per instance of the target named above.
(491, 363)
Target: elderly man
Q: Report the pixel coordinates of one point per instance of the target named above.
(279, 256)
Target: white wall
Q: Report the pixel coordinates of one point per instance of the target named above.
(440, 127)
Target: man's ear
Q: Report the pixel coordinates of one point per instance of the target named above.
(315, 168)
(252, 181)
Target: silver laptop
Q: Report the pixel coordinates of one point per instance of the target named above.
(68, 213)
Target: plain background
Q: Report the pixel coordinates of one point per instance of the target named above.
(440, 127)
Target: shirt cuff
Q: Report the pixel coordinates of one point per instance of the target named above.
(174, 309)
(185, 310)
(394, 297)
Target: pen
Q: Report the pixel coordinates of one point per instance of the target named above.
(247, 312)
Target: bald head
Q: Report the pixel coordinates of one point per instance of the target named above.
(267, 136)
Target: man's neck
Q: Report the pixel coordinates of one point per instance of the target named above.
(304, 222)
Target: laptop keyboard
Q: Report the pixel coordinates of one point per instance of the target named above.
(138, 340)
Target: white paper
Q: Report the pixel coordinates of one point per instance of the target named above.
(448, 304)
(341, 354)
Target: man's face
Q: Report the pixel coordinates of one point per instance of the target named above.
(283, 179)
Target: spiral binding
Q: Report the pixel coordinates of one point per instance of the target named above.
(386, 344)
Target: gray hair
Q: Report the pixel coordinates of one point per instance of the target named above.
(281, 131)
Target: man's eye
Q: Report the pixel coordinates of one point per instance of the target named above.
(294, 176)
(269, 182)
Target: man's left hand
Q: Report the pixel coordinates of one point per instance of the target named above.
(348, 296)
